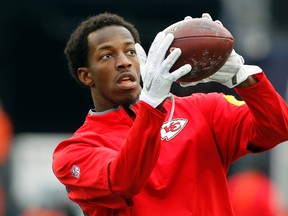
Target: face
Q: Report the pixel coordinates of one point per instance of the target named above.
(113, 74)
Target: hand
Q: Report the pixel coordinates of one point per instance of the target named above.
(157, 79)
(232, 73)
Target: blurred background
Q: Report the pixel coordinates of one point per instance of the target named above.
(41, 104)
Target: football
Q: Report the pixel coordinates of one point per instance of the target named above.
(205, 44)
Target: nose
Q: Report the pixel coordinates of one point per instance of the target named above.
(123, 61)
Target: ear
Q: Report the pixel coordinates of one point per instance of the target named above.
(84, 76)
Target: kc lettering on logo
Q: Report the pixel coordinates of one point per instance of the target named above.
(170, 129)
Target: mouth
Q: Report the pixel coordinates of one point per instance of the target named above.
(127, 80)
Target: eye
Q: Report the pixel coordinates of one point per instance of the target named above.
(106, 56)
(131, 52)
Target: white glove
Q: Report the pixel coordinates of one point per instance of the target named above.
(232, 73)
(157, 79)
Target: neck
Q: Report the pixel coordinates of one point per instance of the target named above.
(129, 111)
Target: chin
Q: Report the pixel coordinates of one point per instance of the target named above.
(129, 99)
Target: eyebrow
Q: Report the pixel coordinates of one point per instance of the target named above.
(104, 47)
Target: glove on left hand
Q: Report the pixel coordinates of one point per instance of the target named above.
(157, 79)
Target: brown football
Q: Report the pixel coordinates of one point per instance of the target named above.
(205, 44)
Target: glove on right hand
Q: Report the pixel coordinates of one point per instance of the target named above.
(157, 79)
(232, 73)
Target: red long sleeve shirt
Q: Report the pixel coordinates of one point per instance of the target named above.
(114, 165)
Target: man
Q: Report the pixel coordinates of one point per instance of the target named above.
(137, 155)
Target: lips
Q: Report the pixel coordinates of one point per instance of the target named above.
(124, 76)
(126, 80)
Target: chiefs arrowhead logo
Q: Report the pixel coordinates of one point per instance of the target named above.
(171, 128)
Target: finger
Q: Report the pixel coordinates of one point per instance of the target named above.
(161, 52)
(171, 59)
(233, 52)
(155, 44)
(165, 44)
(188, 18)
(241, 59)
(206, 15)
(219, 22)
(141, 54)
(175, 75)
(236, 55)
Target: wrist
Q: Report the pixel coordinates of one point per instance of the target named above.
(160, 107)
(153, 100)
(250, 81)
(243, 78)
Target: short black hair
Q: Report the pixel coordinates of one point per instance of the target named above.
(76, 50)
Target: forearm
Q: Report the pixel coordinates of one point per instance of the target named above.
(139, 153)
(269, 114)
